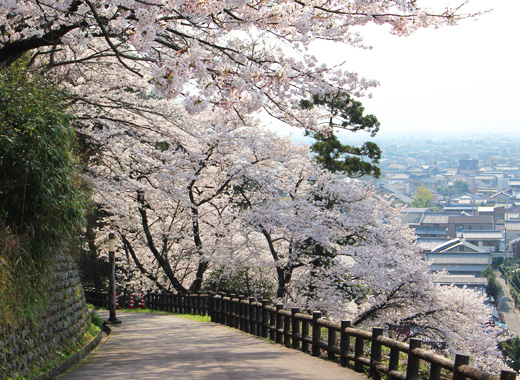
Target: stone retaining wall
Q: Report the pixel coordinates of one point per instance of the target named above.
(31, 342)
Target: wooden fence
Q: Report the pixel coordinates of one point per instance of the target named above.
(361, 349)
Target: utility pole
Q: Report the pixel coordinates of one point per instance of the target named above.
(112, 278)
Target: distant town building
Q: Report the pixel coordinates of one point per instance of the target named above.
(458, 257)
(456, 223)
(489, 241)
(478, 284)
(468, 166)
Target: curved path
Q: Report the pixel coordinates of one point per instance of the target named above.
(159, 346)
(506, 306)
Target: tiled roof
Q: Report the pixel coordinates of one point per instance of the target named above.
(471, 235)
(471, 219)
(435, 219)
(467, 259)
(437, 231)
(462, 280)
(415, 210)
(450, 245)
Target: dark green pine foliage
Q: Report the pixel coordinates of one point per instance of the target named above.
(347, 114)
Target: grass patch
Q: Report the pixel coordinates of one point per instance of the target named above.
(194, 317)
(60, 356)
(198, 318)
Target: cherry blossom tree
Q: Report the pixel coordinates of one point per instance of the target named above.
(233, 54)
(224, 198)
(339, 248)
(190, 194)
(171, 192)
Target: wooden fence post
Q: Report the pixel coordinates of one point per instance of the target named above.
(200, 304)
(316, 333)
(344, 343)
(225, 310)
(215, 306)
(272, 325)
(181, 303)
(191, 299)
(241, 313)
(393, 363)
(170, 301)
(196, 304)
(279, 323)
(287, 330)
(211, 306)
(233, 312)
(259, 319)
(358, 353)
(375, 352)
(460, 360)
(252, 315)
(305, 335)
(222, 310)
(246, 314)
(412, 368)
(233, 315)
(296, 337)
(265, 319)
(331, 343)
(507, 375)
(435, 371)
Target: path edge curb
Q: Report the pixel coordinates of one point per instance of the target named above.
(72, 360)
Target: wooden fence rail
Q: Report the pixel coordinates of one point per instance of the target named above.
(317, 336)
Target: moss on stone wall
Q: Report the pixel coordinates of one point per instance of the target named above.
(54, 318)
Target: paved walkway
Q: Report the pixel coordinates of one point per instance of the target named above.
(507, 307)
(158, 346)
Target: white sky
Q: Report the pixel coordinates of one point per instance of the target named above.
(464, 78)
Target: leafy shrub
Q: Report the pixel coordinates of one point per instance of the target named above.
(493, 288)
(96, 319)
(42, 204)
(40, 194)
(511, 350)
(496, 262)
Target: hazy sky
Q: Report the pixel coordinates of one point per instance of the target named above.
(463, 78)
